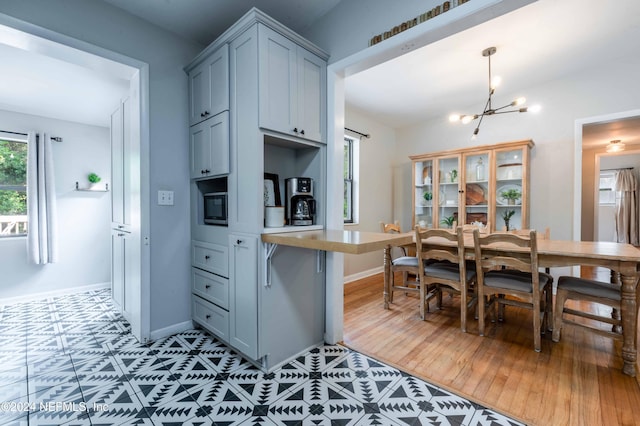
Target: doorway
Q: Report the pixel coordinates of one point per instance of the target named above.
(24, 36)
(592, 135)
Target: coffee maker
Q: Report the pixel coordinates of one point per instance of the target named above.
(300, 207)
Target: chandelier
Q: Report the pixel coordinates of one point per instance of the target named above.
(514, 106)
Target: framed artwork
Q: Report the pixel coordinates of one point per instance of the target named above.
(271, 190)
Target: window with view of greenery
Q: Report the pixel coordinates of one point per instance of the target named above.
(13, 188)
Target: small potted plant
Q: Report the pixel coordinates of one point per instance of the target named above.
(93, 180)
(428, 196)
(511, 195)
(506, 216)
(448, 221)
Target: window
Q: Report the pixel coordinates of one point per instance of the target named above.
(607, 189)
(351, 154)
(13, 188)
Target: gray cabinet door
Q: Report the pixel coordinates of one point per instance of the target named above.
(209, 87)
(245, 190)
(243, 300)
(312, 104)
(209, 147)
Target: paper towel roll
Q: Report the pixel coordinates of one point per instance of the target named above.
(274, 217)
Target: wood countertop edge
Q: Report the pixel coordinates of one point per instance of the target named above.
(333, 240)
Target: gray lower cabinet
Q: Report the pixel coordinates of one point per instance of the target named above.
(243, 303)
(210, 287)
(275, 305)
(211, 317)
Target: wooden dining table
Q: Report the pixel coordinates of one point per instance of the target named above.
(622, 259)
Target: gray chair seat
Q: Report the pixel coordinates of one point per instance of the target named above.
(405, 261)
(447, 271)
(590, 287)
(510, 279)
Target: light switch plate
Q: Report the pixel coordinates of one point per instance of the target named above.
(165, 198)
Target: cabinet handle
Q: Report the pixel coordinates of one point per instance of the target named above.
(302, 132)
(207, 171)
(120, 226)
(204, 114)
(238, 242)
(120, 235)
(208, 316)
(207, 286)
(295, 130)
(207, 257)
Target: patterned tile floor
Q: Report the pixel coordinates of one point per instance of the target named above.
(71, 360)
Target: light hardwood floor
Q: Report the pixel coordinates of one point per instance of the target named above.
(577, 381)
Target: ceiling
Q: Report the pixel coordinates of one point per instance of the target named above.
(535, 44)
(540, 42)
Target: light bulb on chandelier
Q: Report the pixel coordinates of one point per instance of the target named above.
(516, 105)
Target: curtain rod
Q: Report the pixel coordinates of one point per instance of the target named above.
(366, 135)
(620, 168)
(53, 138)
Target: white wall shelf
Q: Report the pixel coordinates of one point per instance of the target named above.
(105, 189)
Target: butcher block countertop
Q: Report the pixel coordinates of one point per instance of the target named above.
(352, 242)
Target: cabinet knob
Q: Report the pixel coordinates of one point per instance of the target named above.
(295, 130)
(207, 257)
(204, 114)
(208, 316)
(120, 235)
(207, 171)
(238, 241)
(207, 286)
(460, 191)
(302, 132)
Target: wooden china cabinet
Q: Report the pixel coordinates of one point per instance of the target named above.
(473, 185)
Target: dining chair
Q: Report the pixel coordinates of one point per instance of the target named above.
(444, 269)
(586, 290)
(518, 284)
(405, 264)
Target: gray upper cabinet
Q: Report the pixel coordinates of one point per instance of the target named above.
(292, 87)
(209, 86)
(209, 147)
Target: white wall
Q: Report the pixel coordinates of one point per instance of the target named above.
(84, 217)
(608, 89)
(375, 187)
(108, 27)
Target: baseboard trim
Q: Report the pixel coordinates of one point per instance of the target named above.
(55, 293)
(171, 330)
(363, 274)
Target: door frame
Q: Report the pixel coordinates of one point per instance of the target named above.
(138, 75)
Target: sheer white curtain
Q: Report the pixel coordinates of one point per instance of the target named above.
(627, 207)
(41, 201)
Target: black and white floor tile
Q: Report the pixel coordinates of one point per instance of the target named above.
(71, 360)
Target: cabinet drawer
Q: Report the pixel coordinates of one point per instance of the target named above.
(211, 317)
(210, 257)
(211, 287)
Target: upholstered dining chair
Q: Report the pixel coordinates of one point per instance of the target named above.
(406, 265)
(444, 269)
(586, 290)
(518, 284)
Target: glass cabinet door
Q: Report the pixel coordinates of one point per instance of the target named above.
(423, 194)
(476, 188)
(448, 191)
(510, 190)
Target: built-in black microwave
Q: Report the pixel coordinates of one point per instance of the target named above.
(215, 208)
